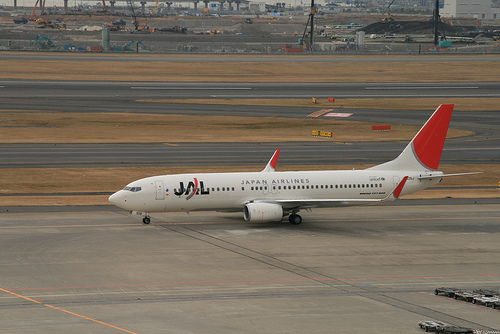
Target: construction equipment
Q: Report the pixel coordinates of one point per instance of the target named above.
(135, 21)
(174, 29)
(116, 26)
(42, 7)
(43, 23)
(128, 46)
(21, 20)
(310, 21)
(104, 8)
(155, 9)
(43, 42)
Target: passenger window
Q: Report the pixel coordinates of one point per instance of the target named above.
(242, 188)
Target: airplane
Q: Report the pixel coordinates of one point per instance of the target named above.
(268, 196)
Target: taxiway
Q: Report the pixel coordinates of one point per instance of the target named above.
(348, 270)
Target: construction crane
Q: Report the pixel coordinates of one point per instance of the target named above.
(137, 27)
(387, 9)
(42, 7)
(155, 10)
(310, 21)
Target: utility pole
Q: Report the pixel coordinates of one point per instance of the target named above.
(436, 23)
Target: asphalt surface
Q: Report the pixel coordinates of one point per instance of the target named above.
(348, 270)
(195, 90)
(229, 154)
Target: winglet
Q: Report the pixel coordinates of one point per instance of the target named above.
(271, 165)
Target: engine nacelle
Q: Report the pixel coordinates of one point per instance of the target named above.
(263, 212)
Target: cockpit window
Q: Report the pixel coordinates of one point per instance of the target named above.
(132, 189)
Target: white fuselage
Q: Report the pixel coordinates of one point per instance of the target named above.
(231, 191)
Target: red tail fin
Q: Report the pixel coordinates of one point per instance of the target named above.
(429, 141)
(424, 151)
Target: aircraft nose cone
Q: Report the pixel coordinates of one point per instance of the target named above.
(116, 198)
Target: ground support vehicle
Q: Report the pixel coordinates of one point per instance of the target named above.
(454, 330)
(431, 325)
(449, 292)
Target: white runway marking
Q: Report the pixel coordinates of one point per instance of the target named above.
(423, 87)
(192, 88)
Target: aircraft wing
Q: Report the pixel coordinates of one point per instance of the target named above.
(318, 203)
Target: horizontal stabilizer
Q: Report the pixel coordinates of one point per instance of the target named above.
(423, 177)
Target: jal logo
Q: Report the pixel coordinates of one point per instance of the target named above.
(193, 188)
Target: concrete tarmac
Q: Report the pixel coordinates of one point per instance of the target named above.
(348, 270)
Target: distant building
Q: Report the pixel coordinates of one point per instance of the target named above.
(257, 6)
(479, 9)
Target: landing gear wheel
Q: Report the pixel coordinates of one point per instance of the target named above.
(295, 219)
(146, 220)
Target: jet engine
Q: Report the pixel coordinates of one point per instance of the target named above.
(263, 212)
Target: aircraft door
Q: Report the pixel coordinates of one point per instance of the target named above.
(274, 189)
(160, 190)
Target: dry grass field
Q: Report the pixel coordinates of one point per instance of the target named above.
(146, 128)
(268, 70)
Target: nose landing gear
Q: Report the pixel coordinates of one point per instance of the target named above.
(146, 220)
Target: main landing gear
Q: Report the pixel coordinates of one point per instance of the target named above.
(146, 220)
(295, 219)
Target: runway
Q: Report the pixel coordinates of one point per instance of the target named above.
(476, 151)
(348, 270)
(161, 90)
